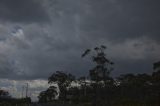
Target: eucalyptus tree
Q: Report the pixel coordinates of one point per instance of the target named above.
(63, 81)
(103, 65)
(100, 73)
(48, 95)
(51, 93)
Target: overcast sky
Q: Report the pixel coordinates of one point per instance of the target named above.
(39, 37)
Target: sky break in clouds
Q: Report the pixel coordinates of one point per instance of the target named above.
(39, 37)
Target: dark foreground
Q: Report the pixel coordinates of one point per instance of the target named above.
(52, 104)
(93, 105)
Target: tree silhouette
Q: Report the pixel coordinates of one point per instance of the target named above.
(63, 80)
(103, 65)
(101, 71)
(3, 93)
(42, 97)
(101, 89)
(48, 95)
(51, 93)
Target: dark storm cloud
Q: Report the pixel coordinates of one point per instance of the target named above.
(35, 51)
(132, 66)
(22, 11)
(129, 29)
(122, 19)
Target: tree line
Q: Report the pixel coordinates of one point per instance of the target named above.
(100, 89)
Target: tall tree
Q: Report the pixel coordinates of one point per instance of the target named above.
(103, 65)
(101, 71)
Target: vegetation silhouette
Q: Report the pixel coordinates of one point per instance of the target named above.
(48, 95)
(100, 89)
(100, 73)
(63, 81)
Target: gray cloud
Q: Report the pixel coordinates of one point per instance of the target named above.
(22, 11)
(121, 20)
(34, 51)
(30, 50)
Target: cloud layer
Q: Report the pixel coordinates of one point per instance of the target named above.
(22, 11)
(39, 37)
